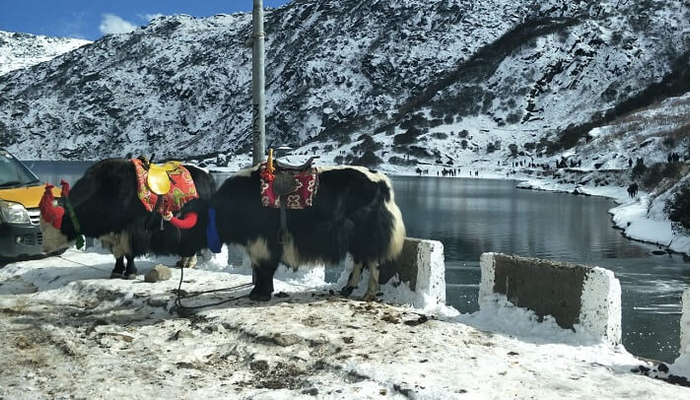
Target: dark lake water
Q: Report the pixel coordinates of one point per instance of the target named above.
(472, 216)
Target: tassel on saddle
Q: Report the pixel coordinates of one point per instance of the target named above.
(283, 179)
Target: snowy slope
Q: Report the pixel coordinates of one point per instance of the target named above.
(650, 135)
(22, 50)
(512, 72)
(68, 332)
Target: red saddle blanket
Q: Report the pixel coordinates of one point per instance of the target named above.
(306, 186)
(182, 190)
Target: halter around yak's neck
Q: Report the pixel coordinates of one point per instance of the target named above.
(65, 190)
(53, 214)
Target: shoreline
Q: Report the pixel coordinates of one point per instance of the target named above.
(617, 194)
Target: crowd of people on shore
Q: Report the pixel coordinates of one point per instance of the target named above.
(446, 172)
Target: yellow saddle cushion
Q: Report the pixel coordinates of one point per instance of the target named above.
(158, 179)
(172, 175)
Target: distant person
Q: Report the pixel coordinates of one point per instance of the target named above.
(632, 190)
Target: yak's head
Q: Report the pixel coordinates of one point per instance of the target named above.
(55, 225)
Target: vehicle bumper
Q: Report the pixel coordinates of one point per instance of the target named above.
(20, 241)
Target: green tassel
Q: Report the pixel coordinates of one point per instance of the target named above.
(80, 242)
(80, 239)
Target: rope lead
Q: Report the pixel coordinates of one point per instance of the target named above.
(181, 308)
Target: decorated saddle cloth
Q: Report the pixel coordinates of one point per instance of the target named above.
(172, 179)
(300, 187)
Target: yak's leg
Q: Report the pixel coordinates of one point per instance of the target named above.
(191, 261)
(264, 272)
(187, 262)
(264, 260)
(353, 280)
(118, 270)
(373, 286)
(130, 268)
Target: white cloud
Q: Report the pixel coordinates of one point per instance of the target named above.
(114, 24)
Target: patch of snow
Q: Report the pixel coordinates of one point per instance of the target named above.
(23, 50)
(74, 333)
(681, 367)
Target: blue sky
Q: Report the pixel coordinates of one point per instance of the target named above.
(91, 19)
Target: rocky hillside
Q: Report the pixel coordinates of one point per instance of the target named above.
(22, 50)
(464, 73)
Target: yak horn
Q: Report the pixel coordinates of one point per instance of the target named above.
(65, 189)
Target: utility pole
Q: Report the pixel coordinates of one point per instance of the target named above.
(258, 83)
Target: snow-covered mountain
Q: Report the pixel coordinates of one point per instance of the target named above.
(22, 50)
(466, 75)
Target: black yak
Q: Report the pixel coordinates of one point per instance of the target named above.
(106, 205)
(353, 212)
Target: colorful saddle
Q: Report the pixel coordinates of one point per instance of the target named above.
(287, 186)
(164, 188)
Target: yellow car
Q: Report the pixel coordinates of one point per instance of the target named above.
(20, 193)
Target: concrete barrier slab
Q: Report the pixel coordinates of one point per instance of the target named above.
(685, 323)
(573, 294)
(421, 265)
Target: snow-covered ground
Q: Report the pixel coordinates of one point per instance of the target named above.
(70, 333)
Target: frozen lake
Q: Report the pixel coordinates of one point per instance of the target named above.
(472, 216)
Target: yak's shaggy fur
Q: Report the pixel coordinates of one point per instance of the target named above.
(354, 212)
(107, 207)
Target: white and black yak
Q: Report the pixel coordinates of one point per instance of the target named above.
(353, 212)
(106, 205)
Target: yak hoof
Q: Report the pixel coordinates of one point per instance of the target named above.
(186, 262)
(116, 275)
(346, 291)
(369, 297)
(130, 276)
(260, 296)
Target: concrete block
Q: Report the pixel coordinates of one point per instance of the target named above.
(681, 366)
(601, 305)
(421, 265)
(571, 293)
(685, 323)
